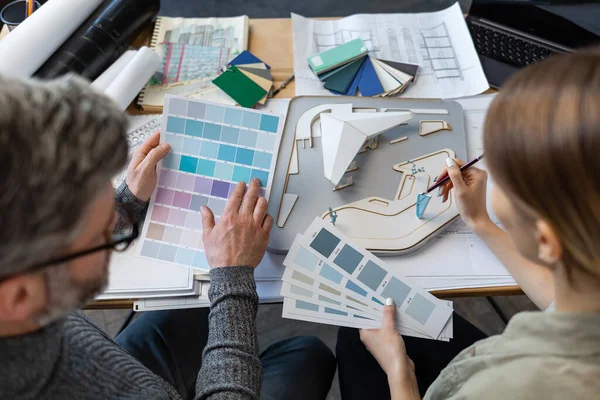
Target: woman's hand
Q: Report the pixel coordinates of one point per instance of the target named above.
(469, 191)
(241, 236)
(387, 346)
(141, 172)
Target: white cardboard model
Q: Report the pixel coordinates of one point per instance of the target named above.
(343, 135)
(390, 225)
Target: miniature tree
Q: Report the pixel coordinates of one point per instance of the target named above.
(332, 215)
(415, 170)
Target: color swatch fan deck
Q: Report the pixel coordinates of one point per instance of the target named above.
(247, 80)
(213, 148)
(348, 69)
(330, 280)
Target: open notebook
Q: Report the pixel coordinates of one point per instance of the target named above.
(192, 51)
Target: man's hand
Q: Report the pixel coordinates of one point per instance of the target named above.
(387, 346)
(141, 172)
(241, 236)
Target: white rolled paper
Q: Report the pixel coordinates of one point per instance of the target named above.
(107, 77)
(24, 50)
(133, 77)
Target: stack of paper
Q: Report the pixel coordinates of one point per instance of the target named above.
(247, 80)
(329, 280)
(347, 69)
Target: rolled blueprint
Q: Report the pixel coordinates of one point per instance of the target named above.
(133, 77)
(103, 81)
(30, 44)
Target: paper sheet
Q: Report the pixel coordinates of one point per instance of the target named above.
(133, 77)
(268, 292)
(131, 276)
(28, 46)
(107, 77)
(457, 254)
(439, 42)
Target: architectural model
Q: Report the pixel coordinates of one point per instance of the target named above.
(344, 135)
(391, 225)
(362, 167)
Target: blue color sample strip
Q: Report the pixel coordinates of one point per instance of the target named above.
(217, 160)
(175, 254)
(420, 308)
(397, 290)
(244, 134)
(348, 259)
(372, 275)
(325, 242)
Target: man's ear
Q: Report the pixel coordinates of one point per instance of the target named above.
(550, 249)
(21, 297)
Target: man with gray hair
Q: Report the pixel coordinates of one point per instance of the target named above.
(60, 219)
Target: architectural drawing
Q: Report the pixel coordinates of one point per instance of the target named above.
(323, 41)
(425, 39)
(410, 46)
(437, 51)
(203, 35)
(186, 62)
(393, 42)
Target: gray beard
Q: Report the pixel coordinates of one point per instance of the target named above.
(64, 295)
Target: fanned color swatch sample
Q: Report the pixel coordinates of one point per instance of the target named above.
(247, 80)
(347, 68)
(330, 280)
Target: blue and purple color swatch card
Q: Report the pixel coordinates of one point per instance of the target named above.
(213, 147)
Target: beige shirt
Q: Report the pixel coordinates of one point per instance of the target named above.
(540, 355)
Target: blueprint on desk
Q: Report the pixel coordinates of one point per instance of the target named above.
(439, 42)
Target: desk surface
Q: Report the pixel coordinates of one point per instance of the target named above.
(271, 40)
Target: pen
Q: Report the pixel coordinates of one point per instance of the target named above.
(29, 7)
(464, 167)
(283, 85)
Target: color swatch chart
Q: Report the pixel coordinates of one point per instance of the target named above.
(213, 148)
(330, 280)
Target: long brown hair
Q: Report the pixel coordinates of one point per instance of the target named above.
(542, 145)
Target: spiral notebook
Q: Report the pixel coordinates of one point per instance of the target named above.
(192, 51)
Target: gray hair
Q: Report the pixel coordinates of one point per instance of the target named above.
(60, 144)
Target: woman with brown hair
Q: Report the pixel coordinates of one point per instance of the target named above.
(542, 148)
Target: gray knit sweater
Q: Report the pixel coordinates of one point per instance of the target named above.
(73, 359)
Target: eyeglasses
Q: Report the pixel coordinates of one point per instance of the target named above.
(116, 242)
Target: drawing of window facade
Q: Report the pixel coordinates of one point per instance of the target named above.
(323, 41)
(438, 51)
(202, 35)
(410, 55)
(394, 46)
(182, 62)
